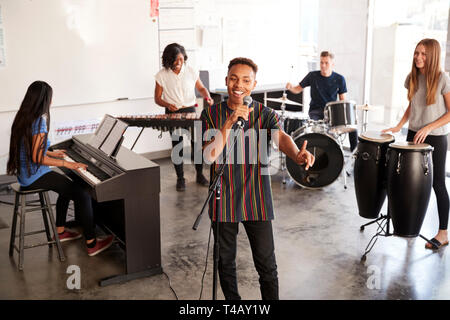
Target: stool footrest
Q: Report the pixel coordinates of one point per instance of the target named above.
(40, 244)
(31, 233)
(36, 209)
(21, 208)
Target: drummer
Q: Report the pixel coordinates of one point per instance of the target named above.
(428, 115)
(326, 86)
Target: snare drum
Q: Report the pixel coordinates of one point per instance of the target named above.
(409, 183)
(329, 159)
(370, 172)
(340, 116)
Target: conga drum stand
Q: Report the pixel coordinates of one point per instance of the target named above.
(382, 231)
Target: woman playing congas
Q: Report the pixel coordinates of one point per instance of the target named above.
(429, 103)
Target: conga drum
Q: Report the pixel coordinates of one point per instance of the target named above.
(409, 183)
(370, 172)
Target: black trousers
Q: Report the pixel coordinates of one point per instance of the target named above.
(68, 190)
(439, 156)
(179, 139)
(352, 136)
(260, 236)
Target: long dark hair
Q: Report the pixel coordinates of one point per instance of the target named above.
(35, 104)
(170, 54)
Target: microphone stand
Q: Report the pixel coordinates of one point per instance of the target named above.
(215, 187)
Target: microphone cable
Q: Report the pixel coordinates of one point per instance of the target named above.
(206, 262)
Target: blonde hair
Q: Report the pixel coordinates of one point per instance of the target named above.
(432, 71)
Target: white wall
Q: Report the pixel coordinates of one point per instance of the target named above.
(264, 30)
(342, 30)
(148, 141)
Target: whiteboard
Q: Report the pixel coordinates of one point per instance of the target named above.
(88, 51)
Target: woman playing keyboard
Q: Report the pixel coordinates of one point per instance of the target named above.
(30, 160)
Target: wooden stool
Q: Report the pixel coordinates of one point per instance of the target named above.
(46, 208)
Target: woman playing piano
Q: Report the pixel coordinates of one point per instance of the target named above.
(175, 90)
(30, 160)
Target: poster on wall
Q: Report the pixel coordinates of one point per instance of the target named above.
(154, 8)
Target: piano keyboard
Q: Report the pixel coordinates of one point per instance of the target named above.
(85, 173)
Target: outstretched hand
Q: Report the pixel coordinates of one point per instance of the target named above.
(305, 157)
(393, 130)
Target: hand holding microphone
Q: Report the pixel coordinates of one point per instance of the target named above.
(241, 112)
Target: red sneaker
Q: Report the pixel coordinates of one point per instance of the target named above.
(68, 235)
(100, 246)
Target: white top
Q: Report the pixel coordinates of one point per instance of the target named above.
(178, 89)
(421, 114)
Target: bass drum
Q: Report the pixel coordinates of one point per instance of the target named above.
(329, 159)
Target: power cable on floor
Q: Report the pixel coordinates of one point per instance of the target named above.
(206, 262)
(170, 285)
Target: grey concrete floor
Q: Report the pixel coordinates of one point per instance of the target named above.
(318, 249)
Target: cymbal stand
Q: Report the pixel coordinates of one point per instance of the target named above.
(341, 138)
(281, 154)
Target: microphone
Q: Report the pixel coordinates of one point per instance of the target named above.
(247, 101)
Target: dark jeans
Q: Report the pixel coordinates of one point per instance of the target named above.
(68, 190)
(352, 136)
(439, 156)
(179, 139)
(260, 236)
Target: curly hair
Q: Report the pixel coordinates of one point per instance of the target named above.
(246, 61)
(170, 54)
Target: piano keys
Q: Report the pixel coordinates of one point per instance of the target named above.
(87, 175)
(125, 202)
(163, 122)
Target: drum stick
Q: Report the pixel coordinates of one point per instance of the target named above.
(289, 78)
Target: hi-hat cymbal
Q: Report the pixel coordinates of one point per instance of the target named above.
(368, 107)
(284, 100)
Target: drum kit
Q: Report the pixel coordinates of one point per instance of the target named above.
(325, 138)
(403, 172)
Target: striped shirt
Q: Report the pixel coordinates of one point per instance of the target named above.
(246, 191)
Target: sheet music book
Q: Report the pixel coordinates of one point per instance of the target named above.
(102, 131)
(114, 137)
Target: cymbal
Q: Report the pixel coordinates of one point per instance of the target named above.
(368, 107)
(284, 100)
